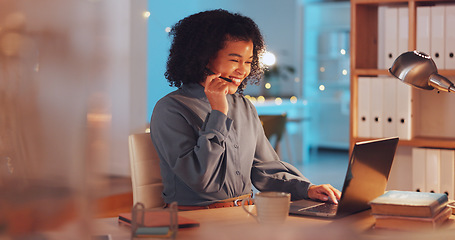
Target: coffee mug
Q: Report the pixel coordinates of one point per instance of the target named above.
(271, 207)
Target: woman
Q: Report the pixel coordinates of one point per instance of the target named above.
(210, 141)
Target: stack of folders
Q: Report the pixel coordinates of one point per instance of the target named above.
(433, 170)
(384, 108)
(407, 210)
(393, 30)
(435, 35)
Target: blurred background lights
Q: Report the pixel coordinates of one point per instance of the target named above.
(293, 99)
(146, 14)
(168, 29)
(322, 69)
(343, 52)
(321, 87)
(278, 101)
(268, 85)
(252, 99)
(261, 99)
(345, 72)
(268, 59)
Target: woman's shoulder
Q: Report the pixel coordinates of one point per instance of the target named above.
(173, 97)
(181, 102)
(242, 100)
(169, 101)
(244, 104)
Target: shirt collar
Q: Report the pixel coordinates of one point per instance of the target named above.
(195, 89)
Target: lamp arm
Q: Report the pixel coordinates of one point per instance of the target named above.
(441, 83)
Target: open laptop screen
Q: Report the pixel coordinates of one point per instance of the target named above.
(367, 174)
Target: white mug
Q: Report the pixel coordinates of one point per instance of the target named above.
(271, 207)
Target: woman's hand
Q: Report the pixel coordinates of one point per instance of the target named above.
(324, 192)
(216, 90)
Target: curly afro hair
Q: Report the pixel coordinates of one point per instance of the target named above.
(198, 38)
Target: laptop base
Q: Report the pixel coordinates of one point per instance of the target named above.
(366, 179)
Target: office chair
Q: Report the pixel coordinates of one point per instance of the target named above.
(274, 127)
(145, 171)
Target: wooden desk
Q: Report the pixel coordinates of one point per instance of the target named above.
(234, 223)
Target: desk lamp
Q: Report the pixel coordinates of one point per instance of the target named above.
(419, 70)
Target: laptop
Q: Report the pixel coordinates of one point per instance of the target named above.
(366, 178)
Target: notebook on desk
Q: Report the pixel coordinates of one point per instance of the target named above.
(366, 178)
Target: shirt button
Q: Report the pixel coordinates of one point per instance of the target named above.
(236, 146)
(237, 172)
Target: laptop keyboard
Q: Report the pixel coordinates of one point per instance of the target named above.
(326, 208)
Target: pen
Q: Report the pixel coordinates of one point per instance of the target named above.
(224, 78)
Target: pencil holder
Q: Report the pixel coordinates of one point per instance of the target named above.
(156, 223)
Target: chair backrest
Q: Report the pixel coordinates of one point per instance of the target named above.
(145, 171)
(274, 127)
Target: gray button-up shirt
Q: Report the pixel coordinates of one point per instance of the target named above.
(206, 156)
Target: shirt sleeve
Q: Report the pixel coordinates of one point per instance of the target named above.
(270, 174)
(195, 154)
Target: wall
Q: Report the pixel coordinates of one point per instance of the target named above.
(326, 73)
(276, 19)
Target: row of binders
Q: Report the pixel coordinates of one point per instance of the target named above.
(434, 35)
(433, 170)
(384, 108)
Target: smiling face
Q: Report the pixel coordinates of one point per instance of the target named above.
(233, 62)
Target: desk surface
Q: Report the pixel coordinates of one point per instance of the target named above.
(234, 223)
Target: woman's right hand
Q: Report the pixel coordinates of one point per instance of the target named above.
(324, 192)
(216, 90)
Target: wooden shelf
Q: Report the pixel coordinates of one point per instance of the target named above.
(431, 120)
(429, 142)
(370, 72)
(375, 72)
(447, 72)
(364, 62)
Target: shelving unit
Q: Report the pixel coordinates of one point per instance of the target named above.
(364, 45)
(432, 117)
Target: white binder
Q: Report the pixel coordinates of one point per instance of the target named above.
(390, 36)
(437, 40)
(450, 37)
(447, 178)
(376, 108)
(418, 169)
(404, 110)
(403, 29)
(433, 169)
(381, 37)
(363, 118)
(389, 106)
(423, 29)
